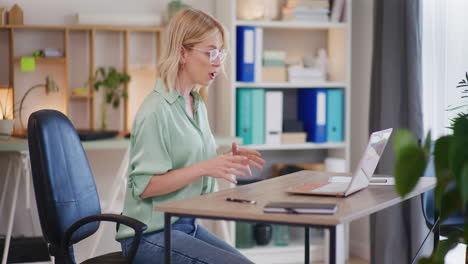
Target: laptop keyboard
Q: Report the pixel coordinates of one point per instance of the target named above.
(333, 187)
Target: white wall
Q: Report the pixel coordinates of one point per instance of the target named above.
(362, 37)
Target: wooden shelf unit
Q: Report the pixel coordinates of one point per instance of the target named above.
(65, 61)
(297, 39)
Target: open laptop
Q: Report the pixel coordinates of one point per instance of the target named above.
(361, 177)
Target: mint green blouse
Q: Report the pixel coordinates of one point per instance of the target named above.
(164, 138)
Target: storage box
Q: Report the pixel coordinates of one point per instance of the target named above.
(274, 74)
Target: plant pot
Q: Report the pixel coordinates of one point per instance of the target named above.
(263, 233)
(6, 127)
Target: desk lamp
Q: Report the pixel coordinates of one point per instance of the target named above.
(50, 86)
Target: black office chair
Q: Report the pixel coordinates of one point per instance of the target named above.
(66, 196)
(455, 221)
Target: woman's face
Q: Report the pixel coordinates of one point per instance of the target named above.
(197, 65)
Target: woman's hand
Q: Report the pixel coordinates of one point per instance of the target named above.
(224, 165)
(254, 157)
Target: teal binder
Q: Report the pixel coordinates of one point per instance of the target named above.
(335, 113)
(243, 115)
(258, 116)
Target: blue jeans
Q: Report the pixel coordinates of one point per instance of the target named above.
(191, 243)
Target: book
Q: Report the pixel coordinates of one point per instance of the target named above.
(300, 208)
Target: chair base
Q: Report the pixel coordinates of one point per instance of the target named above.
(115, 257)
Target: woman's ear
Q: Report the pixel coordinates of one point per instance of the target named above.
(183, 55)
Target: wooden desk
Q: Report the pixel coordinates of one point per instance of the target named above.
(213, 206)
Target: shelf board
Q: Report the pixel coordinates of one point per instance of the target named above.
(4, 86)
(297, 146)
(87, 27)
(83, 96)
(293, 253)
(291, 24)
(291, 85)
(41, 60)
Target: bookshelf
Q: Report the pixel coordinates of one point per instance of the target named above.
(297, 39)
(84, 47)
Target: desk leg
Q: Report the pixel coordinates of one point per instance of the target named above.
(11, 215)
(332, 247)
(167, 237)
(307, 245)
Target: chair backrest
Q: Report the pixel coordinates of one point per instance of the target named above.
(63, 182)
(428, 199)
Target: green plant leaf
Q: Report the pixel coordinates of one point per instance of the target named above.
(463, 187)
(465, 234)
(427, 145)
(458, 153)
(424, 261)
(409, 167)
(442, 167)
(402, 139)
(445, 246)
(109, 97)
(97, 85)
(451, 201)
(116, 102)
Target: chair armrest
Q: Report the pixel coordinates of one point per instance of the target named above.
(136, 225)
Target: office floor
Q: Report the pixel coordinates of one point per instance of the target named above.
(455, 256)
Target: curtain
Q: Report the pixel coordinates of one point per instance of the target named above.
(396, 232)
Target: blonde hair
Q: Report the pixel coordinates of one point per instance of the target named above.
(186, 29)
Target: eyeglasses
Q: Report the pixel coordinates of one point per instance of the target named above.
(214, 54)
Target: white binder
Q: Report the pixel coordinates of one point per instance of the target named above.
(273, 117)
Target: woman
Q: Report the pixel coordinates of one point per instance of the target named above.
(173, 153)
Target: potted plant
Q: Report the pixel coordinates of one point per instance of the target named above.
(450, 154)
(6, 118)
(111, 80)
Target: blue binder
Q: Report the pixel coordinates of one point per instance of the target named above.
(311, 110)
(335, 106)
(245, 60)
(243, 115)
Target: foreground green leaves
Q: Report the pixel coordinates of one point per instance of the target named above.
(451, 168)
(410, 162)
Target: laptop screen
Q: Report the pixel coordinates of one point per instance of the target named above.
(369, 160)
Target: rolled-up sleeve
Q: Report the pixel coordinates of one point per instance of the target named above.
(150, 152)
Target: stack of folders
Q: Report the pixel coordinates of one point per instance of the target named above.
(322, 111)
(259, 116)
(300, 208)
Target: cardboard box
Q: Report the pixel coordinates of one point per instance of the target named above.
(274, 74)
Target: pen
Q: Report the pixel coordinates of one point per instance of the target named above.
(237, 200)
